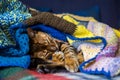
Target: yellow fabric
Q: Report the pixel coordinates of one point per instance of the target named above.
(81, 31)
(94, 41)
(70, 19)
(117, 33)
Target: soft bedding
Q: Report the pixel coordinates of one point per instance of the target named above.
(99, 43)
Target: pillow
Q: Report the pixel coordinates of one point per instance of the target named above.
(91, 12)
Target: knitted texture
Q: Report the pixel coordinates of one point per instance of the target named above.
(51, 20)
(106, 60)
(11, 12)
(11, 5)
(16, 56)
(5, 39)
(95, 51)
(84, 40)
(22, 44)
(14, 43)
(22, 61)
(89, 49)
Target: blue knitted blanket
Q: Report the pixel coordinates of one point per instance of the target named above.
(14, 43)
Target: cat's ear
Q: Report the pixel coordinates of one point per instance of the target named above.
(30, 32)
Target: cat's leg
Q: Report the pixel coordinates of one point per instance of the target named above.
(71, 62)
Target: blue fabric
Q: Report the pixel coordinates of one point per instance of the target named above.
(14, 43)
(22, 61)
(7, 19)
(16, 56)
(11, 12)
(48, 29)
(22, 44)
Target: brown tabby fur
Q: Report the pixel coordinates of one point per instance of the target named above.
(43, 46)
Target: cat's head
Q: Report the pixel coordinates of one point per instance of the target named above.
(43, 39)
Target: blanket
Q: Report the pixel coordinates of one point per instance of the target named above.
(17, 73)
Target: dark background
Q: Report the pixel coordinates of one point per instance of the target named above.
(109, 10)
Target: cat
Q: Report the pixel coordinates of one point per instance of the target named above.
(52, 51)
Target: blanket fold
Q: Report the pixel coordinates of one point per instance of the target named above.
(14, 43)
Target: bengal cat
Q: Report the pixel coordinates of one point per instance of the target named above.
(53, 52)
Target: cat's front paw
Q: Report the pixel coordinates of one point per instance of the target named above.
(71, 62)
(58, 57)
